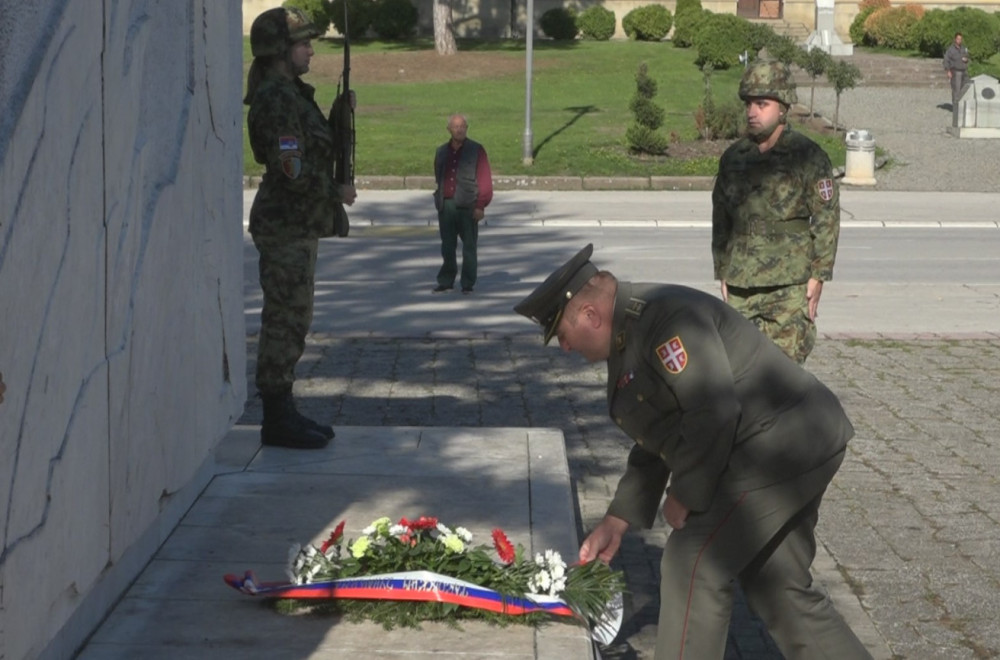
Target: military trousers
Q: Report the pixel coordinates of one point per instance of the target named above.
(287, 280)
(764, 538)
(781, 313)
(455, 223)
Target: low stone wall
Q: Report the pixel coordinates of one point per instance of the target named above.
(121, 294)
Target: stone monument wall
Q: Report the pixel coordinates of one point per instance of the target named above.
(122, 340)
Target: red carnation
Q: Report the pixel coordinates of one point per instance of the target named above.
(421, 523)
(335, 536)
(503, 546)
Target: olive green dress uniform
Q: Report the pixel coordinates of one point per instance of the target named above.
(775, 224)
(294, 207)
(749, 442)
(746, 439)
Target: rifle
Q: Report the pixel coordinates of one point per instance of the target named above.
(342, 123)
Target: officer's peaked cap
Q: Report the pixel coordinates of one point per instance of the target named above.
(546, 303)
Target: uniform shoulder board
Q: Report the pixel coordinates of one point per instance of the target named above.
(634, 307)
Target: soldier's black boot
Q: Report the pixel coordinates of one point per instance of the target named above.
(325, 429)
(283, 426)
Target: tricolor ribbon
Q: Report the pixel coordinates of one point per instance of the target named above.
(426, 586)
(422, 586)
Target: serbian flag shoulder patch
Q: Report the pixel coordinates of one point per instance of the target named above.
(825, 189)
(673, 355)
(288, 143)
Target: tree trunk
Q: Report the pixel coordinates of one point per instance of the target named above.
(836, 115)
(444, 38)
(812, 97)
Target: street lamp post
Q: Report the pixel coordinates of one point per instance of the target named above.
(527, 155)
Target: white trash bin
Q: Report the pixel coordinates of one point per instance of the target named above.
(859, 170)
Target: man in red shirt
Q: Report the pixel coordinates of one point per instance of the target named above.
(464, 189)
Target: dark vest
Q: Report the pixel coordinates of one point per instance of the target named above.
(466, 188)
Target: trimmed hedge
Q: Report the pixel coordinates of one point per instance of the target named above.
(721, 40)
(857, 29)
(980, 32)
(394, 20)
(687, 23)
(892, 27)
(318, 11)
(648, 23)
(597, 23)
(559, 23)
(360, 14)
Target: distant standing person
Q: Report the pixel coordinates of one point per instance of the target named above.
(464, 190)
(956, 63)
(775, 216)
(295, 206)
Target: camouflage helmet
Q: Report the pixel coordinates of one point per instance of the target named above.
(768, 79)
(276, 29)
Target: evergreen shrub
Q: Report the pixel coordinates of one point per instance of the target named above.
(360, 14)
(597, 23)
(559, 23)
(641, 135)
(645, 140)
(892, 27)
(318, 11)
(980, 32)
(687, 20)
(648, 23)
(857, 29)
(758, 36)
(718, 121)
(721, 40)
(394, 20)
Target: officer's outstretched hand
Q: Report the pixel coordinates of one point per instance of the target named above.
(604, 541)
(675, 513)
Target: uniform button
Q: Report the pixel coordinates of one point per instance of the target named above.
(641, 398)
(618, 421)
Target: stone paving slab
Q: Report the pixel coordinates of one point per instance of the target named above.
(263, 500)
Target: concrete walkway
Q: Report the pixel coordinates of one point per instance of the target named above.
(265, 499)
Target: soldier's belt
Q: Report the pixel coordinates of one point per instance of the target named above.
(761, 227)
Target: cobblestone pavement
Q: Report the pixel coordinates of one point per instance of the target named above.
(912, 518)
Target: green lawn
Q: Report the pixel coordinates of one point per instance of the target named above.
(579, 113)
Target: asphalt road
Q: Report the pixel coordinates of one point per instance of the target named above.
(893, 282)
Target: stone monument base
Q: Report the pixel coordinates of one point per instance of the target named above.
(974, 132)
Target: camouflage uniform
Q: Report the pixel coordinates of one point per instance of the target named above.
(775, 225)
(294, 207)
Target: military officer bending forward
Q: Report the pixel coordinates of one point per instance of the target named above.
(747, 439)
